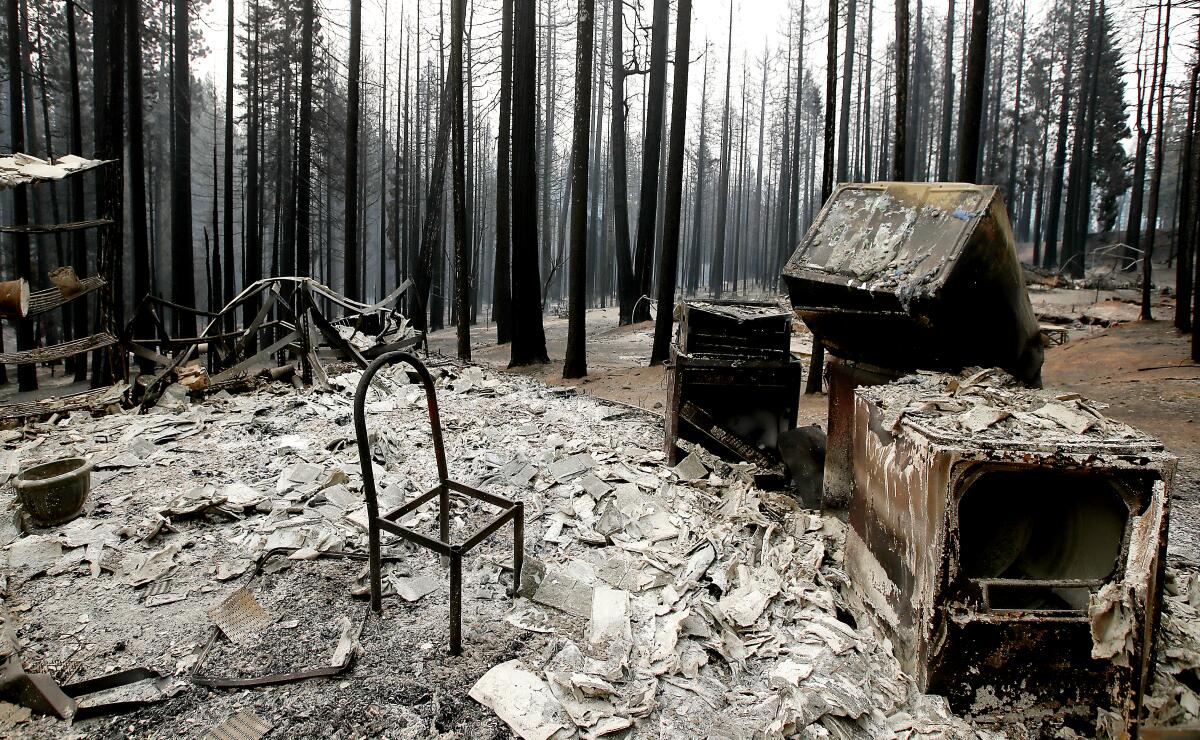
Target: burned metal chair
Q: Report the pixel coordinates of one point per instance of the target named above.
(510, 510)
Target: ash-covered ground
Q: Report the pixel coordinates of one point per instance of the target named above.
(656, 602)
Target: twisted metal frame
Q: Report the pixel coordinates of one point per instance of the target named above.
(510, 510)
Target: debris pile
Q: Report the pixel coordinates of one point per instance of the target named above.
(994, 408)
(673, 601)
(677, 600)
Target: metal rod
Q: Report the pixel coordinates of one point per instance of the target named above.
(429, 543)
(518, 545)
(486, 530)
(455, 600)
(475, 493)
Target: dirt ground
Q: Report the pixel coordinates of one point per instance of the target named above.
(1140, 369)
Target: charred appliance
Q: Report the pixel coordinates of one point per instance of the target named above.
(733, 384)
(896, 277)
(1010, 543)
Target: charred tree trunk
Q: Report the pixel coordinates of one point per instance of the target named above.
(108, 365)
(792, 181)
(502, 276)
(1077, 176)
(182, 279)
(350, 253)
(304, 160)
(528, 335)
(137, 183)
(1185, 221)
(694, 258)
(1050, 255)
(651, 154)
(26, 374)
(462, 237)
(947, 96)
(79, 308)
(716, 281)
(843, 157)
(673, 204)
(900, 144)
(228, 277)
(575, 365)
(252, 266)
(1016, 124)
(972, 104)
(1156, 176)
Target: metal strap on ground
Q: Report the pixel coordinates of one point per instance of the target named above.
(51, 298)
(58, 351)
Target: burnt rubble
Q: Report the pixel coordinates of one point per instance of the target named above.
(672, 601)
(677, 601)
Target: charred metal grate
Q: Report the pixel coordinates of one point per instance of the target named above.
(245, 725)
(241, 617)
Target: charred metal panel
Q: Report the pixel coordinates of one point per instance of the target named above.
(916, 276)
(1010, 550)
(738, 330)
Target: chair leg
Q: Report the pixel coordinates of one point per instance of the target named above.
(518, 546)
(376, 576)
(455, 599)
(444, 512)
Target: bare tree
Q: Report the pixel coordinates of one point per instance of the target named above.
(528, 335)
(108, 28)
(229, 143)
(1185, 223)
(972, 105)
(182, 279)
(79, 253)
(502, 276)
(137, 185)
(303, 183)
(626, 285)
(350, 255)
(1050, 256)
(947, 96)
(716, 280)
(816, 366)
(1156, 176)
(26, 374)
(575, 365)
(462, 260)
(651, 154)
(900, 145)
(843, 157)
(672, 206)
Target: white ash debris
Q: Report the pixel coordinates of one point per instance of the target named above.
(993, 407)
(1174, 697)
(656, 601)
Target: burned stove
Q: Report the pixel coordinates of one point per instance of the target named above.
(734, 386)
(894, 277)
(1010, 543)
